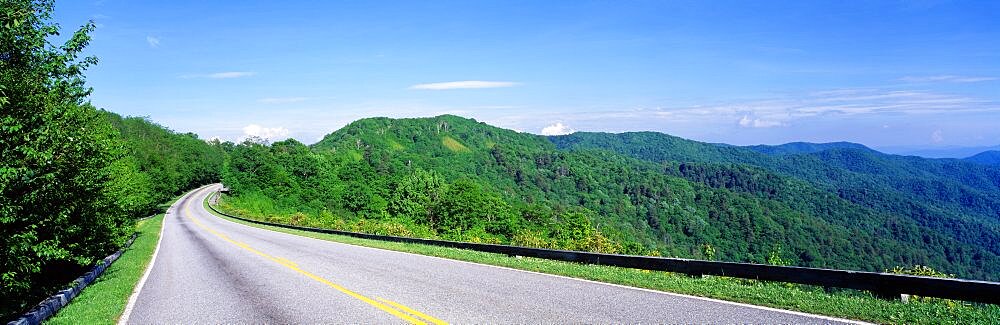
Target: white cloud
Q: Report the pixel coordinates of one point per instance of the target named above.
(154, 42)
(230, 75)
(281, 100)
(946, 78)
(220, 75)
(263, 133)
(468, 84)
(780, 111)
(557, 129)
(937, 136)
(752, 122)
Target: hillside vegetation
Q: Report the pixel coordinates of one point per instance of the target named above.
(991, 157)
(804, 147)
(73, 178)
(637, 193)
(924, 200)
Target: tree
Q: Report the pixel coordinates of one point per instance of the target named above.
(63, 168)
(415, 194)
(466, 206)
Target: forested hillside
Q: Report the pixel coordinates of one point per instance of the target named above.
(73, 178)
(991, 157)
(804, 147)
(957, 199)
(455, 178)
(171, 162)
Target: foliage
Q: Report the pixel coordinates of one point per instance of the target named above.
(510, 187)
(775, 258)
(708, 252)
(416, 179)
(64, 174)
(104, 300)
(839, 303)
(921, 270)
(169, 162)
(901, 210)
(71, 184)
(991, 157)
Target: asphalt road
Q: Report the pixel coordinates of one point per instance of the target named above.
(210, 270)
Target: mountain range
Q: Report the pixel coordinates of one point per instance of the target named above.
(987, 158)
(835, 205)
(957, 152)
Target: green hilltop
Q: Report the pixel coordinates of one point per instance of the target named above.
(633, 193)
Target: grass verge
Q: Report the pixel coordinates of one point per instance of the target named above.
(103, 301)
(839, 303)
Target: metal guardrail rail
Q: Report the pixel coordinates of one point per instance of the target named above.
(884, 285)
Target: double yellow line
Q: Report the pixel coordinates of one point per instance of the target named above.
(396, 309)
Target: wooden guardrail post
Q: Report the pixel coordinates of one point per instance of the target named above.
(891, 295)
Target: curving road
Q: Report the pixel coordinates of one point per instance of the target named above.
(210, 270)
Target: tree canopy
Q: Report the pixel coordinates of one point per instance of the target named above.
(73, 178)
(635, 193)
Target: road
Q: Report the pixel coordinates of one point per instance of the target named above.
(211, 270)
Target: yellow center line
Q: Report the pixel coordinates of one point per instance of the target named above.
(289, 264)
(413, 312)
(285, 261)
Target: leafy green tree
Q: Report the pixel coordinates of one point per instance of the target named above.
(415, 196)
(249, 168)
(177, 162)
(63, 172)
(466, 206)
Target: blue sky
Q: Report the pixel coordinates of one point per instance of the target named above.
(885, 74)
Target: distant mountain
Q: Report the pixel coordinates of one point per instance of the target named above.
(804, 147)
(949, 196)
(987, 158)
(823, 205)
(938, 152)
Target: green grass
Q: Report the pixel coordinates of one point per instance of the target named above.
(103, 301)
(841, 303)
(395, 145)
(453, 144)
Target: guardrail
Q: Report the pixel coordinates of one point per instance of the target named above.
(53, 304)
(883, 285)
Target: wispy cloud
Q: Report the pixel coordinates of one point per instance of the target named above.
(790, 110)
(153, 42)
(557, 129)
(946, 78)
(220, 75)
(281, 100)
(748, 121)
(937, 136)
(230, 75)
(468, 84)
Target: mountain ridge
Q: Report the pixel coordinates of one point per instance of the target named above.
(638, 193)
(991, 157)
(805, 147)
